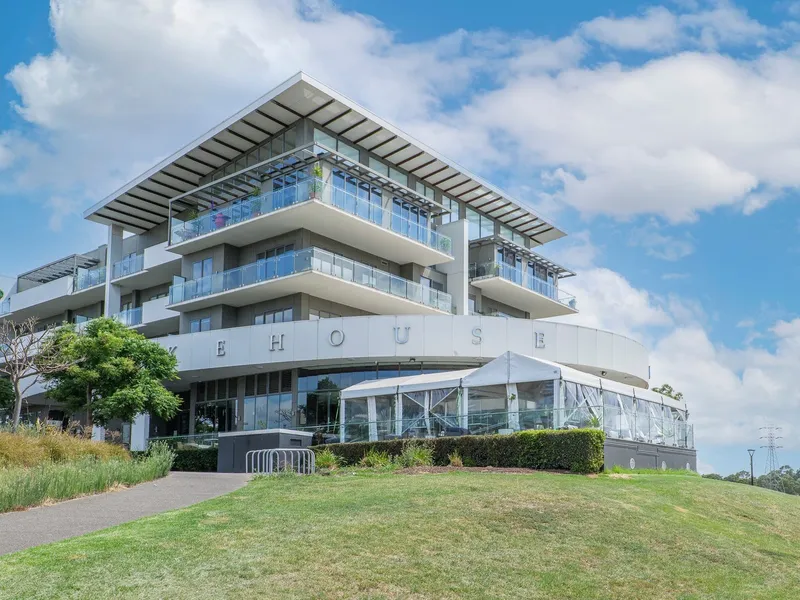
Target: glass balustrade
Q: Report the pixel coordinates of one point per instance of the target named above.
(310, 259)
(128, 266)
(310, 189)
(86, 278)
(5, 306)
(130, 317)
(522, 278)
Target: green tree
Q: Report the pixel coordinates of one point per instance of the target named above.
(667, 390)
(7, 396)
(115, 373)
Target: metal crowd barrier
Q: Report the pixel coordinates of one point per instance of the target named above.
(277, 460)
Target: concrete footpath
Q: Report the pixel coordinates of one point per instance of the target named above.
(45, 524)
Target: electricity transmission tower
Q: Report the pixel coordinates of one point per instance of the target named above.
(774, 481)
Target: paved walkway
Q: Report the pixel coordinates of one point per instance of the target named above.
(45, 524)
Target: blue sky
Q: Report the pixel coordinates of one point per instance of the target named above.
(662, 136)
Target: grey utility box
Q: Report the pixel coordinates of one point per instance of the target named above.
(234, 445)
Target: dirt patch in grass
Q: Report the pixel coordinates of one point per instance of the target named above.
(425, 470)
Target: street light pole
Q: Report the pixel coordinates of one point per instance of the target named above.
(751, 451)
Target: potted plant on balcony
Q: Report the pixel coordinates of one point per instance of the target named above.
(255, 202)
(191, 226)
(316, 182)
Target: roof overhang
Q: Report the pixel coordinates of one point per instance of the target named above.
(145, 202)
(60, 268)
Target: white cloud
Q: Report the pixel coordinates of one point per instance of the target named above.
(676, 136)
(660, 245)
(674, 276)
(656, 29)
(58, 209)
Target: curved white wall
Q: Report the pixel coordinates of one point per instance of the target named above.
(364, 340)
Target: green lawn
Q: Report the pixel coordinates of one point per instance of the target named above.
(455, 535)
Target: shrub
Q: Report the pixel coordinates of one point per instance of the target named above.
(455, 459)
(415, 455)
(375, 459)
(326, 459)
(577, 450)
(195, 459)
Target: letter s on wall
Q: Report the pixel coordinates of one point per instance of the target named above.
(477, 335)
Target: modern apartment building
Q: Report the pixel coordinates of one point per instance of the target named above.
(305, 245)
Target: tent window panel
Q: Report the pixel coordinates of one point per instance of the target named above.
(536, 402)
(356, 420)
(413, 411)
(642, 421)
(656, 422)
(386, 415)
(488, 409)
(444, 408)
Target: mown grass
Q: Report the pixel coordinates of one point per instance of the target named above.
(455, 535)
(22, 487)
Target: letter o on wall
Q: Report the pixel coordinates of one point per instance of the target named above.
(336, 338)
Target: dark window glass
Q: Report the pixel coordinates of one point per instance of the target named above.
(261, 384)
(286, 381)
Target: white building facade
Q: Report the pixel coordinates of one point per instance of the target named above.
(305, 245)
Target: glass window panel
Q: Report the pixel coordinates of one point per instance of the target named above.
(262, 421)
(398, 176)
(286, 381)
(201, 391)
(290, 139)
(250, 385)
(378, 166)
(249, 413)
(349, 151)
(274, 383)
(222, 389)
(261, 384)
(211, 390)
(487, 227)
(474, 221)
(324, 139)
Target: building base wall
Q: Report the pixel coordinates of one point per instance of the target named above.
(640, 455)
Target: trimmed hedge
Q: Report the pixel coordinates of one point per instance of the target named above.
(576, 450)
(191, 459)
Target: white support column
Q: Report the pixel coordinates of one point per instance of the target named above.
(342, 405)
(98, 433)
(513, 406)
(463, 409)
(558, 404)
(457, 271)
(426, 411)
(113, 254)
(398, 411)
(372, 417)
(140, 432)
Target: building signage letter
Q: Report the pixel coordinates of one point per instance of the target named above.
(539, 337)
(477, 335)
(221, 348)
(276, 342)
(398, 338)
(336, 338)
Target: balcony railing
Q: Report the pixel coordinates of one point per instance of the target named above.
(86, 278)
(130, 317)
(522, 278)
(127, 266)
(303, 191)
(310, 259)
(5, 306)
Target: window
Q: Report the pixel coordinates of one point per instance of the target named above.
(274, 316)
(480, 226)
(333, 143)
(388, 171)
(201, 268)
(161, 295)
(197, 325)
(424, 190)
(452, 205)
(315, 315)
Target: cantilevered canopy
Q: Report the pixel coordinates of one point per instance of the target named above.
(60, 268)
(145, 202)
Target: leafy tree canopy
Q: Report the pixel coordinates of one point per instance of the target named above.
(7, 396)
(115, 373)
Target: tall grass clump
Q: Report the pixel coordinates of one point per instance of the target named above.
(327, 460)
(374, 459)
(31, 447)
(415, 455)
(22, 487)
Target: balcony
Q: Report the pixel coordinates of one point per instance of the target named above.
(151, 319)
(520, 289)
(319, 207)
(316, 272)
(69, 292)
(154, 266)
